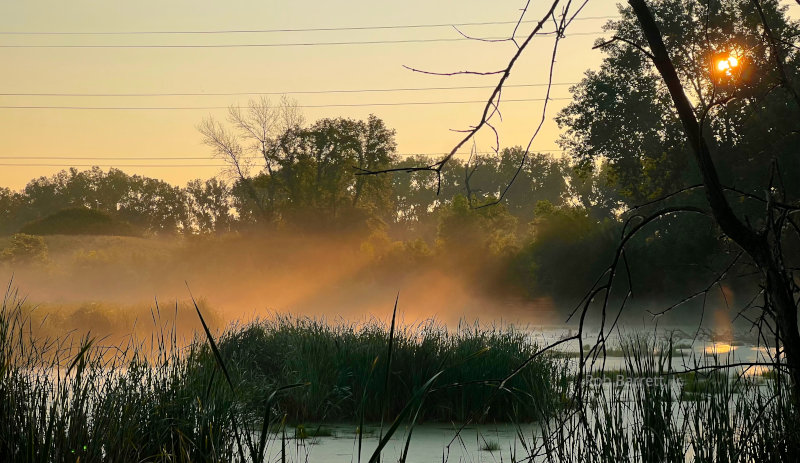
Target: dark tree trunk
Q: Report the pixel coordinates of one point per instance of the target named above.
(765, 255)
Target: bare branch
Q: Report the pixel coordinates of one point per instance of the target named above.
(455, 73)
(617, 38)
(491, 100)
(666, 197)
(721, 276)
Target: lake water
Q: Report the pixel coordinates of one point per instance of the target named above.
(430, 443)
(503, 443)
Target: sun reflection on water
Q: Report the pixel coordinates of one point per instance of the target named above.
(717, 348)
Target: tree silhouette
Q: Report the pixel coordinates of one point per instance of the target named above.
(735, 117)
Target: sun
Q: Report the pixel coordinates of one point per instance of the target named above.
(727, 63)
(727, 66)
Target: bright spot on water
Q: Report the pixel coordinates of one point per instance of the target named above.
(719, 348)
(757, 370)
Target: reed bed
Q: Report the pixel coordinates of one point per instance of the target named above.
(65, 399)
(655, 410)
(232, 399)
(341, 364)
(241, 396)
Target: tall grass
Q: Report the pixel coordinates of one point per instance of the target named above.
(710, 414)
(69, 399)
(336, 361)
(231, 399)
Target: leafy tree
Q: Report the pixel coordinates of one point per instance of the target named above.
(149, 204)
(619, 116)
(418, 195)
(623, 114)
(774, 71)
(316, 167)
(467, 231)
(567, 251)
(595, 188)
(25, 248)
(304, 174)
(11, 205)
(542, 178)
(624, 127)
(251, 136)
(154, 205)
(482, 178)
(413, 195)
(209, 205)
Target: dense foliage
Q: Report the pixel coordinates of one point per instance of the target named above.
(551, 235)
(559, 221)
(77, 221)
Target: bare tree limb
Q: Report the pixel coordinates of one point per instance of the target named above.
(487, 110)
(617, 38)
(778, 291)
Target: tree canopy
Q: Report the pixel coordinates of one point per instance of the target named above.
(622, 113)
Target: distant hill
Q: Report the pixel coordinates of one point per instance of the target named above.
(79, 221)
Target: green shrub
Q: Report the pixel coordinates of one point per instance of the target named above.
(78, 221)
(24, 248)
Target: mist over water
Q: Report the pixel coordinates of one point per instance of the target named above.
(111, 285)
(102, 282)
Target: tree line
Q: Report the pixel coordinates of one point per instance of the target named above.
(561, 218)
(309, 179)
(552, 232)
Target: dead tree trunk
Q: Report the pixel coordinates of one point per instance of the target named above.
(760, 245)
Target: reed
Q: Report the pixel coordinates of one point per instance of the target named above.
(238, 397)
(231, 399)
(335, 361)
(713, 413)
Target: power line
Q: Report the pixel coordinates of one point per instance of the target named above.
(300, 92)
(286, 44)
(341, 105)
(187, 158)
(179, 158)
(113, 165)
(310, 29)
(193, 158)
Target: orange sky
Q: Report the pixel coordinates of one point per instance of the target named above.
(103, 134)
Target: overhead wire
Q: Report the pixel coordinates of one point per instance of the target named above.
(338, 105)
(280, 44)
(103, 160)
(284, 30)
(172, 158)
(112, 165)
(299, 92)
(241, 31)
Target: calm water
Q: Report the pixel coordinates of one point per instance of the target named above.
(447, 443)
(429, 443)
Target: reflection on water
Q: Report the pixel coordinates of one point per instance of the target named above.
(757, 370)
(717, 348)
(432, 443)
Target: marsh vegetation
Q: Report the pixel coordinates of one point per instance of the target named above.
(289, 388)
(673, 202)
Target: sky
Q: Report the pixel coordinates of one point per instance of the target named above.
(165, 143)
